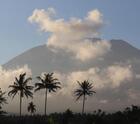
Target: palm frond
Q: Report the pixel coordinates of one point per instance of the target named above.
(85, 88)
(27, 80)
(3, 100)
(20, 86)
(48, 82)
(39, 86)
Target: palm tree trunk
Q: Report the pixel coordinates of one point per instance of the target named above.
(46, 102)
(83, 105)
(20, 104)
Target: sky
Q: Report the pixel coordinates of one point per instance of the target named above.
(18, 35)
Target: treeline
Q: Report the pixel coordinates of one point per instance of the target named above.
(130, 115)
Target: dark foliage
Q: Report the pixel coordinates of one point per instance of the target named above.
(130, 115)
(3, 100)
(31, 108)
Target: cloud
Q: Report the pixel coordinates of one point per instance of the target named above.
(73, 35)
(111, 77)
(118, 74)
(89, 26)
(95, 16)
(111, 84)
(7, 77)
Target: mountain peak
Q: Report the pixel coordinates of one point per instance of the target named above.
(119, 42)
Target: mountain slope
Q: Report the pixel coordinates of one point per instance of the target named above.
(41, 59)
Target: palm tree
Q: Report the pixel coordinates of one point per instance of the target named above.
(49, 83)
(31, 108)
(85, 89)
(3, 100)
(21, 87)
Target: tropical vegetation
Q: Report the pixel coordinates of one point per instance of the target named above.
(85, 89)
(31, 108)
(21, 86)
(49, 84)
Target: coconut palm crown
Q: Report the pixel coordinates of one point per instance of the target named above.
(31, 108)
(22, 88)
(49, 83)
(85, 89)
(3, 100)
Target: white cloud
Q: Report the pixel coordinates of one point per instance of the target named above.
(110, 77)
(7, 77)
(118, 74)
(95, 16)
(73, 35)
